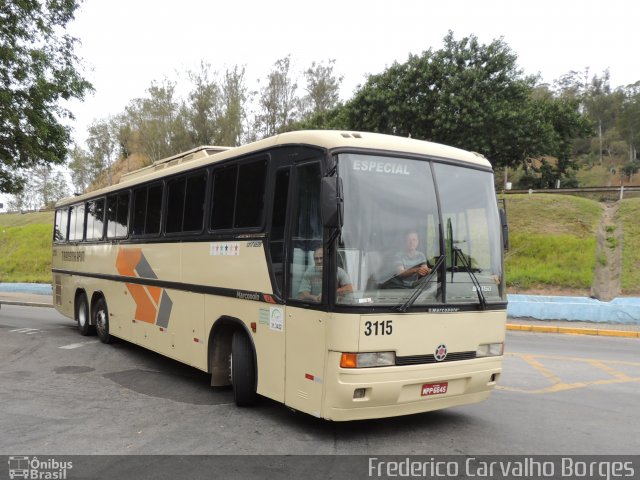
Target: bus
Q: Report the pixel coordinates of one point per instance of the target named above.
(348, 275)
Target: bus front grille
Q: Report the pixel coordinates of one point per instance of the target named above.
(420, 359)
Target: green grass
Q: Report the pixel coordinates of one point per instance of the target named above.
(629, 218)
(26, 253)
(553, 241)
(21, 219)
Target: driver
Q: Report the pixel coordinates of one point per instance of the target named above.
(410, 264)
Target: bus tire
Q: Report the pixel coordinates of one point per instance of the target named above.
(101, 319)
(82, 315)
(243, 370)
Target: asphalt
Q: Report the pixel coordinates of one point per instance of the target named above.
(514, 324)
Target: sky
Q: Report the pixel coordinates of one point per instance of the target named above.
(127, 44)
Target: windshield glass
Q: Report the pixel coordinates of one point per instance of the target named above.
(393, 239)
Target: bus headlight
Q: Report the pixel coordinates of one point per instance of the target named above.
(490, 350)
(367, 360)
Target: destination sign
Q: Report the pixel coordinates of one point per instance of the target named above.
(378, 166)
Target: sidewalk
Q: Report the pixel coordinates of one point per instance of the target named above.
(516, 324)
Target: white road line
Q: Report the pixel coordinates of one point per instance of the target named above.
(78, 345)
(25, 330)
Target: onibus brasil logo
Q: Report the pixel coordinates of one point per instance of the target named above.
(34, 468)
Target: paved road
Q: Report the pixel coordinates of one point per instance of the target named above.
(66, 394)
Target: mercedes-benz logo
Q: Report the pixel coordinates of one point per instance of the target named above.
(441, 352)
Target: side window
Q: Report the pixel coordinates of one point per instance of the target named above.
(250, 197)
(147, 205)
(154, 209)
(95, 219)
(117, 215)
(175, 205)
(61, 223)
(305, 268)
(278, 222)
(76, 223)
(194, 202)
(223, 197)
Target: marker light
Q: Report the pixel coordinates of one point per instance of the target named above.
(367, 360)
(490, 350)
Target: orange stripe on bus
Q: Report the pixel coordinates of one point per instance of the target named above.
(145, 309)
(127, 261)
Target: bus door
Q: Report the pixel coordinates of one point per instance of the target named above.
(305, 318)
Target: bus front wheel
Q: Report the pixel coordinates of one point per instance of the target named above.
(243, 370)
(101, 319)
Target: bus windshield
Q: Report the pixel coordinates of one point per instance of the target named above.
(418, 233)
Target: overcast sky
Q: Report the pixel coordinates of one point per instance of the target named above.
(128, 43)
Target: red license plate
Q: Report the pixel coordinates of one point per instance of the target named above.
(434, 388)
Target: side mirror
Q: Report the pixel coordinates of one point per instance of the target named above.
(332, 202)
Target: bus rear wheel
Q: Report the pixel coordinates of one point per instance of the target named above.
(243, 370)
(82, 315)
(101, 319)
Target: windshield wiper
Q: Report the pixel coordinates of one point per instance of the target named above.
(422, 284)
(457, 254)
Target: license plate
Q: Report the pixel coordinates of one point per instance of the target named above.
(434, 388)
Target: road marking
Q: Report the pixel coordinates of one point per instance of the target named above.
(71, 346)
(28, 331)
(557, 385)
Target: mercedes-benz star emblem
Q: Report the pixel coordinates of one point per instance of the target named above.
(441, 352)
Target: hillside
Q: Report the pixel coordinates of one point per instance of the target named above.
(25, 247)
(553, 245)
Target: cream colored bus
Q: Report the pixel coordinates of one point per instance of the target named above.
(346, 275)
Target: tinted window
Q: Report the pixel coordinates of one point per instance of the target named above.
(139, 210)
(62, 220)
(154, 208)
(117, 215)
(175, 205)
(224, 191)
(76, 223)
(147, 205)
(194, 202)
(95, 219)
(250, 197)
(306, 234)
(278, 220)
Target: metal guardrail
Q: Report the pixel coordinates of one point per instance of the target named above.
(619, 190)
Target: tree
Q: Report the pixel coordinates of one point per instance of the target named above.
(234, 97)
(38, 70)
(83, 169)
(44, 187)
(203, 110)
(322, 89)
(629, 118)
(466, 94)
(277, 100)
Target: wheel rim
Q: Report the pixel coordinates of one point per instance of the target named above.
(101, 322)
(82, 315)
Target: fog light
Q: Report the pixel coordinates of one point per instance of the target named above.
(490, 350)
(359, 392)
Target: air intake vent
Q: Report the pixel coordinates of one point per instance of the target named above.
(421, 359)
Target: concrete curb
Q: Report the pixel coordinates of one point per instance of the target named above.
(25, 304)
(601, 332)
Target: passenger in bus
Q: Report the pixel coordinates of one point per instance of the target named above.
(411, 264)
(311, 285)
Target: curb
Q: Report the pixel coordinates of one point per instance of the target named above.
(25, 304)
(601, 332)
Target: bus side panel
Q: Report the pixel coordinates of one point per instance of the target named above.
(306, 353)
